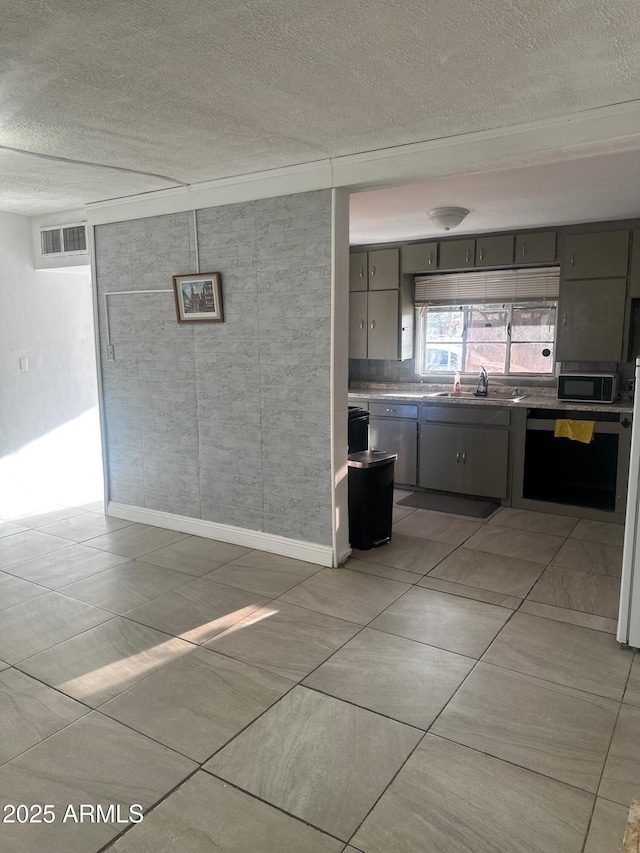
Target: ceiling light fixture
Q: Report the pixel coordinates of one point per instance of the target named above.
(447, 217)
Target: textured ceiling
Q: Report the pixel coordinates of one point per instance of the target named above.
(201, 89)
(590, 189)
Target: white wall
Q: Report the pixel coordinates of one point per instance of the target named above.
(49, 436)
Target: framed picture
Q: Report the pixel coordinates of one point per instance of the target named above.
(198, 298)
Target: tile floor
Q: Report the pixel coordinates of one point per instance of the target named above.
(459, 689)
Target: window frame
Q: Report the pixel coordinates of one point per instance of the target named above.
(421, 343)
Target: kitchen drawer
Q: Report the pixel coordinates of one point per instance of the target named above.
(393, 410)
(466, 415)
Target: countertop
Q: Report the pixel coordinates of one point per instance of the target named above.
(532, 398)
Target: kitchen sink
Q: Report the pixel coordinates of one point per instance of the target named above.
(492, 395)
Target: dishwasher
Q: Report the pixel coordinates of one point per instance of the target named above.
(562, 471)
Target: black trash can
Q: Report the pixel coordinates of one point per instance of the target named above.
(358, 429)
(370, 498)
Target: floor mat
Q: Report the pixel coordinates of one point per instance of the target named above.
(472, 507)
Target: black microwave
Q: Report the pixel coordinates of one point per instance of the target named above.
(588, 387)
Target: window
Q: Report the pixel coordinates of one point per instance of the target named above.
(506, 338)
(63, 240)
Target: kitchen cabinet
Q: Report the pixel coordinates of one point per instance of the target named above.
(598, 255)
(536, 248)
(456, 254)
(358, 324)
(419, 257)
(382, 324)
(378, 269)
(397, 435)
(358, 271)
(464, 459)
(494, 251)
(591, 320)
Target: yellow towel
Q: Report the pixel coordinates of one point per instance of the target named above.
(576, 430)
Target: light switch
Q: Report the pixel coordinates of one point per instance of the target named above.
(24, 364)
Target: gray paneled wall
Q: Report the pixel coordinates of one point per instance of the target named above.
(226, 422)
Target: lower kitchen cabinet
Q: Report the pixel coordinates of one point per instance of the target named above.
(468, 460)
(396, 435)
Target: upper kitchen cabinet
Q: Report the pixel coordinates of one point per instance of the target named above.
(634, 274)
(419, 257)
(598, 255)
(358, 302)
(457, 254)
(591, 320)
(384, 269)
(536, 248)
(375, 270)
(358, 271)
(383, 318)
(494, 251)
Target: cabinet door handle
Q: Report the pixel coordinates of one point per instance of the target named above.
(468, 255)
(481, 255)
(362, 324)
(373, 324)
(389, 410)
(430, 261)
(571, 260)
(373, 270)
(464, 457)
(361, 272)
(564, 322)
(524, 249)
(458, 456)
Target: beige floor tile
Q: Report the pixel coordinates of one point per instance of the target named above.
(586, 556)
(41, 519)
(477, 594)
(95, 760)
(31, 712)
(8, 528)
(509, 542)
(207, 814)
(3, 665)
(571, 617)
(195, 556)
(632, 693)
(578, 657)
(399, 678)
(446, 621)
(94, 506)
(506, 575)
(437, 527)
(381, 571)
(607, 829)
(400, 512)
(29, 628)
(585, 591)
(290, 641)
(126, 586)
(538, 522)
(345, 594)
(621, 777)
(25, 546)
(199, 702)
(313, 756)
(407, 552)
(198, 610)
(549, 728)
(103, 662)
(451, 799)
(66, 566)
(401, 494)
(87, 525)
(599, 531)
(265, 574)
(136, 540)
(16, 591)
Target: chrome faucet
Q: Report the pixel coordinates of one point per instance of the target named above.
(483, 384)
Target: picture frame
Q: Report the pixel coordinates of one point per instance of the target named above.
(198, 298)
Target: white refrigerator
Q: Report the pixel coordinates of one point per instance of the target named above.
(629, 615)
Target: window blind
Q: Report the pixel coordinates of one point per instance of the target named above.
(489, 286)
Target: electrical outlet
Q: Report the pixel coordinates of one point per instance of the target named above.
(24, 364)
(111, 356)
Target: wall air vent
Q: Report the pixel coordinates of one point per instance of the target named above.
(63, 240)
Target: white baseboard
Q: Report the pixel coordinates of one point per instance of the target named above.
(310, 552)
